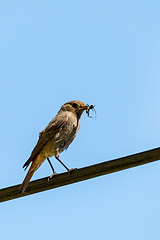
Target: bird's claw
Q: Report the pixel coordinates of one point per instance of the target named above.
(71, 170)
(52, 175)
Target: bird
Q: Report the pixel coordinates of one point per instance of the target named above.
(55, 138)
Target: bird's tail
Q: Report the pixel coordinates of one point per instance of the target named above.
(34, 166)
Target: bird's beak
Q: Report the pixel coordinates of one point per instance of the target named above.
(83, 108)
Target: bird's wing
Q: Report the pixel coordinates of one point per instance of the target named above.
(53, 127)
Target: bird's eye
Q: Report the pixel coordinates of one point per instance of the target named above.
(74, 105)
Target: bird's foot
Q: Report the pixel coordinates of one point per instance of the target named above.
(71, 170)
(52, 175)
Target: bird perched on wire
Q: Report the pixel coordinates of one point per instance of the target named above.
(55, 138)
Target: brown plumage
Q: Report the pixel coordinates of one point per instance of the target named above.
(56, 137)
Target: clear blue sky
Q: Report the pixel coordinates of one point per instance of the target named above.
(105, 53)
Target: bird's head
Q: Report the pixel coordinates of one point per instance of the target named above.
(76, 107)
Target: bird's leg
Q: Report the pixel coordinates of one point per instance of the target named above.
(57, 157)
(51, 165)
(54, 173)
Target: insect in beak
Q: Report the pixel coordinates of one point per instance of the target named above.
(89, 107)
